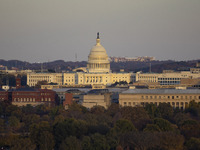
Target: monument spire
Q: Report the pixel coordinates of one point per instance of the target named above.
(98, 35)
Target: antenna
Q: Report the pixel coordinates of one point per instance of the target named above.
(75, 57)
(150, 67)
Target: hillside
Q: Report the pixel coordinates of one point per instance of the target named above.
(59, 65)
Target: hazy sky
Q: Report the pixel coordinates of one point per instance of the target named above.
(47, 30)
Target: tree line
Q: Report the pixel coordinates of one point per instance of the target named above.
(116, 128)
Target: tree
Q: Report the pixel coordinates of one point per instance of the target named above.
(166, 111)
(70, 143)
(13, 122)
(86, 143)
(28, 109)
(152, 128)
(194, 108)
(113, 109)
(29, 120)
(180, 117)
(41, 135)
(137, 115)
(2, 125)
(69, 127)
(152, 140)
(190, 128)
(193, 144)
(152, 110)
(97, 110)
(22, 144)
(163, 124)
(98, 142)
(122, 126)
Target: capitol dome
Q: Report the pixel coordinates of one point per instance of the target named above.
(98, 61)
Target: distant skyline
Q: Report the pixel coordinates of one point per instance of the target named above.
(48, 30)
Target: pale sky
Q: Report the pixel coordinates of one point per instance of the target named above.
(47, 30)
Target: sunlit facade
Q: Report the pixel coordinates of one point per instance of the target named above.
(97, 72)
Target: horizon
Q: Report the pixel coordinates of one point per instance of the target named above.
(87, 60)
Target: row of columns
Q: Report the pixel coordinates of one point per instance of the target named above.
(97, 66)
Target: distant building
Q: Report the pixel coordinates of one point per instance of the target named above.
(97, 97)
(97, 72)
(177, 98)
(128, 59)
(166, 78)
(4, 96)
(24, 96)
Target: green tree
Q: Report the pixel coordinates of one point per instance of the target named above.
(190, 128)
(97, 110)
(193, 144)
(41, 135)
(194, 108)
(180, 117)
(152, 110)
(2, 125)
(163, 124)
(166, 111)
(98, 142)
(137, 115)
(152, 128)
(122, 126)
(29, 120)
(69, 127)
(113, 109)
(28, 109)
(13, 122)
(86, 143)
(70, 143)
(22, 144)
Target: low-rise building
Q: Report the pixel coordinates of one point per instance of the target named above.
(97, 98)
(24, 96)
(166, 78)
(177, 98)
(4, 95)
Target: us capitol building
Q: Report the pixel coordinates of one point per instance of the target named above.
(97, 72)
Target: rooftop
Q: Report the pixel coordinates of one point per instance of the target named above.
(161, 91)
